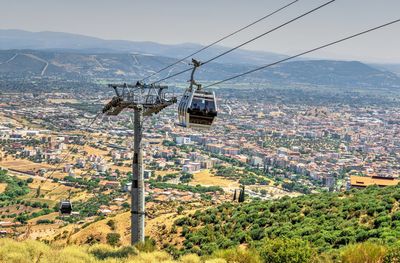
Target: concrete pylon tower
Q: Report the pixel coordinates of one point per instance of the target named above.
(137, 190)
(145, 100)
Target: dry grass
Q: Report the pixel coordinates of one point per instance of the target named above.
(33, 251)
(55, 191)
(51, 216)
(23, 165)
(2, 187)
(99, 230)
(367, 252)
(42, 230)
(94, 151)
(156, 228)
(45, 185)
(163, 173)
(206, 178)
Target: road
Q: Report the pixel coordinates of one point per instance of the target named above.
(11, 59)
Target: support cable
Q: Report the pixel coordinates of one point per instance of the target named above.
(69, 152)
(249, 41)
(305, 52)
(221, 39)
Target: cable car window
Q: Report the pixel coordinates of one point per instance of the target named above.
(198, 104)
(210, 105)
(202, 106)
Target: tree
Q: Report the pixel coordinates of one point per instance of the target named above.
(286, 250)
(180, 209)
(241, 195)
(111, 224)
(38, 192)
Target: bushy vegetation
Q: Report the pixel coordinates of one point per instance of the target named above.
(323, 223)
(33, 251)
(113, 239)
(189, 188)
(275, 251)
(15, 187)
(244, 176)
(89, 183)
(250, 175)
(91, 206)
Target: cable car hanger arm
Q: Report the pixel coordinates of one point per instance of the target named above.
(195, 64)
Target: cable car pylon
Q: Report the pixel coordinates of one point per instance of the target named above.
(145, 100)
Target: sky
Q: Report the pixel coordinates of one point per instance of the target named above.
(203, 21)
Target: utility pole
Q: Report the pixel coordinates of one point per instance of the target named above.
(145, 100)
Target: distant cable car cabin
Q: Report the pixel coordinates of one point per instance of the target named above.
(65, 207)
(197, 108)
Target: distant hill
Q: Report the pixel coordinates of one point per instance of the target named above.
(395, 68)
(131, 67)
(19, 39)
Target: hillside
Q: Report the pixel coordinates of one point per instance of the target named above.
(327, 221)
(16, 64)
(354, 227)
(19, 39)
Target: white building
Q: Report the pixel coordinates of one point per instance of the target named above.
(182, 140)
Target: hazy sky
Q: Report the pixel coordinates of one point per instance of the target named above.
(202, 21)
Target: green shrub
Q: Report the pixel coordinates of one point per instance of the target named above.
(286, 250)
(104, 251)
(149, 245)
(393, 254)
(367, 252)
(111, 224)
(238, 255)
(113, 239)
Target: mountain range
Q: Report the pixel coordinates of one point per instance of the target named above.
(50, 54)
(19, 39)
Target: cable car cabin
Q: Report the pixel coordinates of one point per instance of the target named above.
(65, 207)
(197, 109)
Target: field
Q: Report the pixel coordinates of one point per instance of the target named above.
(206, 178)
(162, 173)
(23, 165)
(94, 151)
(54, 192)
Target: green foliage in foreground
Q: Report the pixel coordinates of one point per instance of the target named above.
(327, 221)
(273, 251)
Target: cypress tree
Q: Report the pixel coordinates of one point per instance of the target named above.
(241, 195)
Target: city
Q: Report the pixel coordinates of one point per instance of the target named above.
(161, 149)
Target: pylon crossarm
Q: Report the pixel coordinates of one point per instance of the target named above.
(150, 97)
